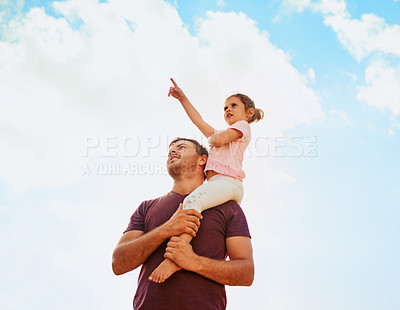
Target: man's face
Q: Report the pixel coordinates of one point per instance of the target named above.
(182, 158)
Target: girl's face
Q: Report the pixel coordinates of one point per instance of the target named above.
(235, 110)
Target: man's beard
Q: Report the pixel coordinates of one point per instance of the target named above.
(181, 169)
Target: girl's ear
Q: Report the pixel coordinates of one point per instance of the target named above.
(250, 112)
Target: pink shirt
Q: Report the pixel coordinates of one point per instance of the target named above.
(228, 158)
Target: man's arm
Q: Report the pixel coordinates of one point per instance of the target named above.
(135, 246)
(239, 270)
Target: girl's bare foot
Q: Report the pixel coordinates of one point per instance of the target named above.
(164, 271)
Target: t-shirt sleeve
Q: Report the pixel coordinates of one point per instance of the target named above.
(244, 128)
(137, 219)
(237, 224)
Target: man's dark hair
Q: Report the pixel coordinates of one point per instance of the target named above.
(200, 149)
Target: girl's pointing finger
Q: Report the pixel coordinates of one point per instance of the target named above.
(173, 82)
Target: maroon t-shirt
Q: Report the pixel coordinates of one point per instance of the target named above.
(185, 289)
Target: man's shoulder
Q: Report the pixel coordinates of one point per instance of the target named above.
(231, 216)
(168, 196)
(166, 204)
(229, 208)
(230, 204)
(153, 212)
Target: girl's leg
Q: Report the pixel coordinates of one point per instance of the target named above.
(167, 267)
(218, 190)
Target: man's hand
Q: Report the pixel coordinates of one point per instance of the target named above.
(135, 246)
(183, 221)
(238, 270)
(180, 252)
(176, 92)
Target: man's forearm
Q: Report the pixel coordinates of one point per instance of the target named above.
(129, 255)
(135, 247)
(234, 272)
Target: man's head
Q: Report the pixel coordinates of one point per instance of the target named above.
(186, 157)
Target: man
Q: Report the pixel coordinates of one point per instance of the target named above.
(205, 271)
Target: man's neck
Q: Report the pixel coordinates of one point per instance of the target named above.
(185, 186)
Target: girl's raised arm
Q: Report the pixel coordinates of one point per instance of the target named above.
(190, 110)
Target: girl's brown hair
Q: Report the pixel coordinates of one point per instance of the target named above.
(249, 104)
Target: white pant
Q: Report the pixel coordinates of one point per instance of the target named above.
(219, 189)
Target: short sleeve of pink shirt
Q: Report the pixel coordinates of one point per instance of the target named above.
(228, 158)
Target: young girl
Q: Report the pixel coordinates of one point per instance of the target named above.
(224, 165)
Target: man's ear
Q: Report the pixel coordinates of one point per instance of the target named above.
(203, 160)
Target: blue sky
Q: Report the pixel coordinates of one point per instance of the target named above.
(85, 123)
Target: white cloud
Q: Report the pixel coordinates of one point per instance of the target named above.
(361, 37)
(328, 7)
(221, 3)
(297, 5)
(61, 83)
(352, 75)
(103, 70)
(383, 87)
(244, 60)
(323, 6)
(342, 115)
(369, 35)
(311, 75)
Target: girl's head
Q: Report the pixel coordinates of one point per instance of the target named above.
(240, 107)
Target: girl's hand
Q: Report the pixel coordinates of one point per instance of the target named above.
(211, 140)
(175, 91)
